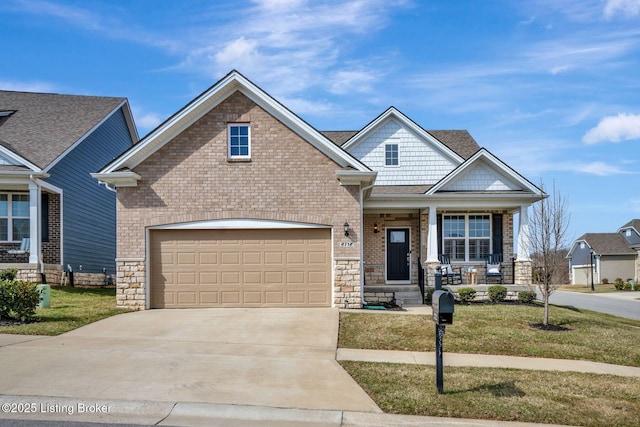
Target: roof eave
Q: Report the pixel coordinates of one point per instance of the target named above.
(118, 179)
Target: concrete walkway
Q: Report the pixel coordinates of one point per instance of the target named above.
(486, 361)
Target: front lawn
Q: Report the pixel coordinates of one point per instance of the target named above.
(71, 308)
(566, 398)
(501, 329)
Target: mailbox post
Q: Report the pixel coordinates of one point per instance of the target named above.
(442, 306)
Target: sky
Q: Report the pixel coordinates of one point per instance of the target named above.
(551, 87)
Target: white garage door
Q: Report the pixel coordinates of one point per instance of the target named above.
(240, 268)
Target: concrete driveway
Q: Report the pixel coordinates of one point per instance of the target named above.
(281, 358)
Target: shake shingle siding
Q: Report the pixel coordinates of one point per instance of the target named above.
(89, 213)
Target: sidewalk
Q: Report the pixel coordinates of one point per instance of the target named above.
(486, 361)
(211, 414)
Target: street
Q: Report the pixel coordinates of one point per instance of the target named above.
(623, 304)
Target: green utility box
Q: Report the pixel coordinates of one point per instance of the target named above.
(45, 296)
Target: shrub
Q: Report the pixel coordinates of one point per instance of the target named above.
(619, 284)
(18, 300)
(466, 295)
(526, 297)
(497, 293)
(605, 281)
(8, 274)
(428, 295)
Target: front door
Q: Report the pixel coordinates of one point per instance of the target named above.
(398, 255)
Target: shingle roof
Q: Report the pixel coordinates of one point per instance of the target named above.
(635, 223)
(608, 243)
(44, 125)
(460, 141)
(400, 189)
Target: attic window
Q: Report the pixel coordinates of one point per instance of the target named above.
(581, 245)
(391, 155)
(627, 233)
(239, 141)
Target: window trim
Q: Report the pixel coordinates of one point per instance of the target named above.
(466, 237)
(397, 154)
(239, 156)
(10, 217)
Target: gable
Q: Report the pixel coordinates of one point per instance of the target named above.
(483, 172)
(200, 106)
(44, 127)
(421, 161)
(482, 177)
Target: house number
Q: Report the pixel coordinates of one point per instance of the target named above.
(346, 244)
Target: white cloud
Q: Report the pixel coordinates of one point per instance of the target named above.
(352, 81)
(28, 86)
(614, 129)
(560, 69)
(628, 8)
(147, 121)
(600, 169)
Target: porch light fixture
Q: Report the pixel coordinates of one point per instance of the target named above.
(375, 228)
(346, 229)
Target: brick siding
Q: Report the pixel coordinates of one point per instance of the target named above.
(191, 179)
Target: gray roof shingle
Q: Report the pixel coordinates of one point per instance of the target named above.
(44, 125)
(635, 223)
(607, 243)
(459, 141)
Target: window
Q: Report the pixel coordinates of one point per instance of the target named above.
(14, 217)
(239, 141)
(391, 155)
(467, 237)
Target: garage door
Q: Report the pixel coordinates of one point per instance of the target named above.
(240, 268)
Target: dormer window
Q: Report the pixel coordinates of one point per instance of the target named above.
(391, 155)
(239, 141)
(627, 233)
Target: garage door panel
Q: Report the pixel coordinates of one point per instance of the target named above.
(208, 278)
(235, 268)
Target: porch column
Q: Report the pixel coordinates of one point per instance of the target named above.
(432, 243)
(523, 234)
(522, 273)
(34, 223)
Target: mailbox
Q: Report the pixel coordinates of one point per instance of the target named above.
(442, 306)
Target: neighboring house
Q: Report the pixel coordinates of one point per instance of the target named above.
(236, 201)
(608, 256)
(52, 213)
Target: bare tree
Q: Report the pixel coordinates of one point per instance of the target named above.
(548, 241)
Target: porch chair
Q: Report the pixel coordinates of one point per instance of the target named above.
(24, 247)
(493, 268)
(450, 275)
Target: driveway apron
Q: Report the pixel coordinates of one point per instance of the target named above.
(281, 358)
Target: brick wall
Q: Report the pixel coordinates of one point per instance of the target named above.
(51, 249)
(374, 249)
(191, 179)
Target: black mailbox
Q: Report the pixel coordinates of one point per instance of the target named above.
(442, 306)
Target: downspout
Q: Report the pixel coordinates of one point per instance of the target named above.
(362, 190)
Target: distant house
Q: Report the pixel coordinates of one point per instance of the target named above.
(607, 255)
(52, 213)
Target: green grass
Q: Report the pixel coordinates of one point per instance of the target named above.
(502, 394)
(599, 288)
(501, 330)
(70, 308)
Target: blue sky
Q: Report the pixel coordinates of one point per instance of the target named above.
(550, 87)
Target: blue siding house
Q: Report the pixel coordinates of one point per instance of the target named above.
(598, 256)
(54, 216)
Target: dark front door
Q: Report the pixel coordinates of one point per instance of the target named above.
(398, 257)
